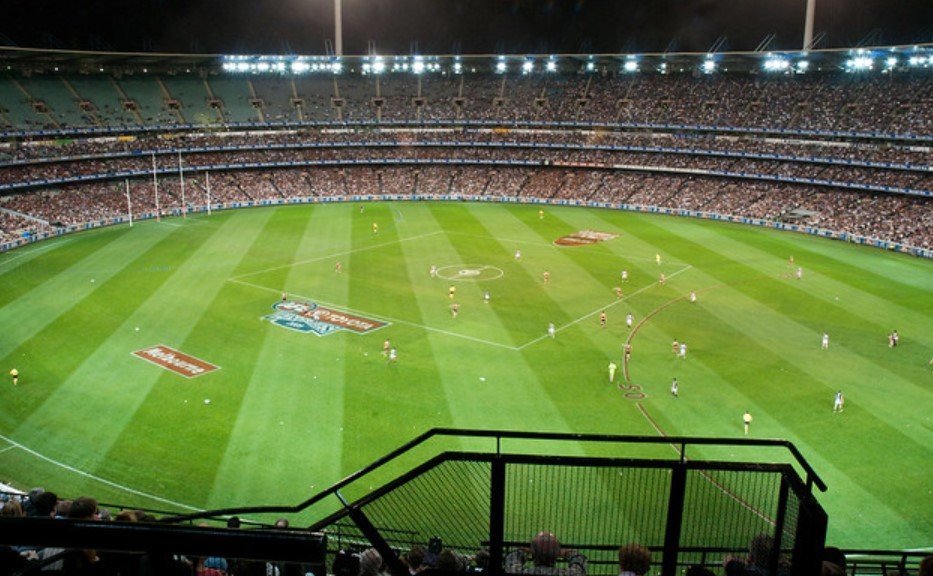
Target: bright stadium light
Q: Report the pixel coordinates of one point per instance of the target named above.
(379, 66)
(500, 65)
(776, 64)
(709, 66)
(802, 66)
(859, 63)
(242, 66)
(551, 65)
(590, 66)
(336, 67)
(299, 67)
(418, 65)
(891, 62)
(458, 68)
(916, 60)
(262, 67)
(528, 67)
(630, 66)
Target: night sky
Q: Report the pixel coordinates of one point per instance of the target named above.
(455, 26)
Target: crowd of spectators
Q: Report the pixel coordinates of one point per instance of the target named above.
(666, 169)
(543, 556)
(898, 218)
(896, 103)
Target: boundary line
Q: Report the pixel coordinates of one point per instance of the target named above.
(39, 250)
(32, 452)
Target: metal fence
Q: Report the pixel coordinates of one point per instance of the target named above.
(493, 491)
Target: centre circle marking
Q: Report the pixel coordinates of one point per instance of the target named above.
(465, 272)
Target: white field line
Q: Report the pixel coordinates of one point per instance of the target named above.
(335, 254)
(32, 452)
(40, 249)
(535, 243)
(7, 449)
(600, 309)
(379, 316)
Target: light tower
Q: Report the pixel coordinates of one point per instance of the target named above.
(338, 28)
(807, 25)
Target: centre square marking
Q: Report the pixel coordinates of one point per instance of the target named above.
(310, 317)
(177, 362)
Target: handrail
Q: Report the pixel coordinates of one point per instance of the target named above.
(499, 435)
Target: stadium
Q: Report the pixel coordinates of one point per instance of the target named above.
(679, 299)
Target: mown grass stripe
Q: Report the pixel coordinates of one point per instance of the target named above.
(72, 325)
(264, 424)
(111, 382)
(29, 306)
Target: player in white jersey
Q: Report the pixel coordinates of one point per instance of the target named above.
(839, 402)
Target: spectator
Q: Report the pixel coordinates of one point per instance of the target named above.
(835, 556)
(634, 560)
(544, 552)
(926, 567)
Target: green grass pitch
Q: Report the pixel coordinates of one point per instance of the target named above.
(291, 413)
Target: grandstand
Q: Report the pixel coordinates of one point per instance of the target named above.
(97, 140)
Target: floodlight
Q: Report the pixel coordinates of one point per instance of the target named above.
(776, 64)
(802, 66)
(458, 68)
(709, 66)
(551, 66)
(590, 66)
(859, 63)
(299, 67)
(916, 60)
(337, 67)
(891, 62)
(262, 67)
(527, 66)
(242, 66)
(378, 66)
(500, 66)
(630, 66)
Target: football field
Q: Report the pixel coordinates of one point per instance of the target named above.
(159, 365)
